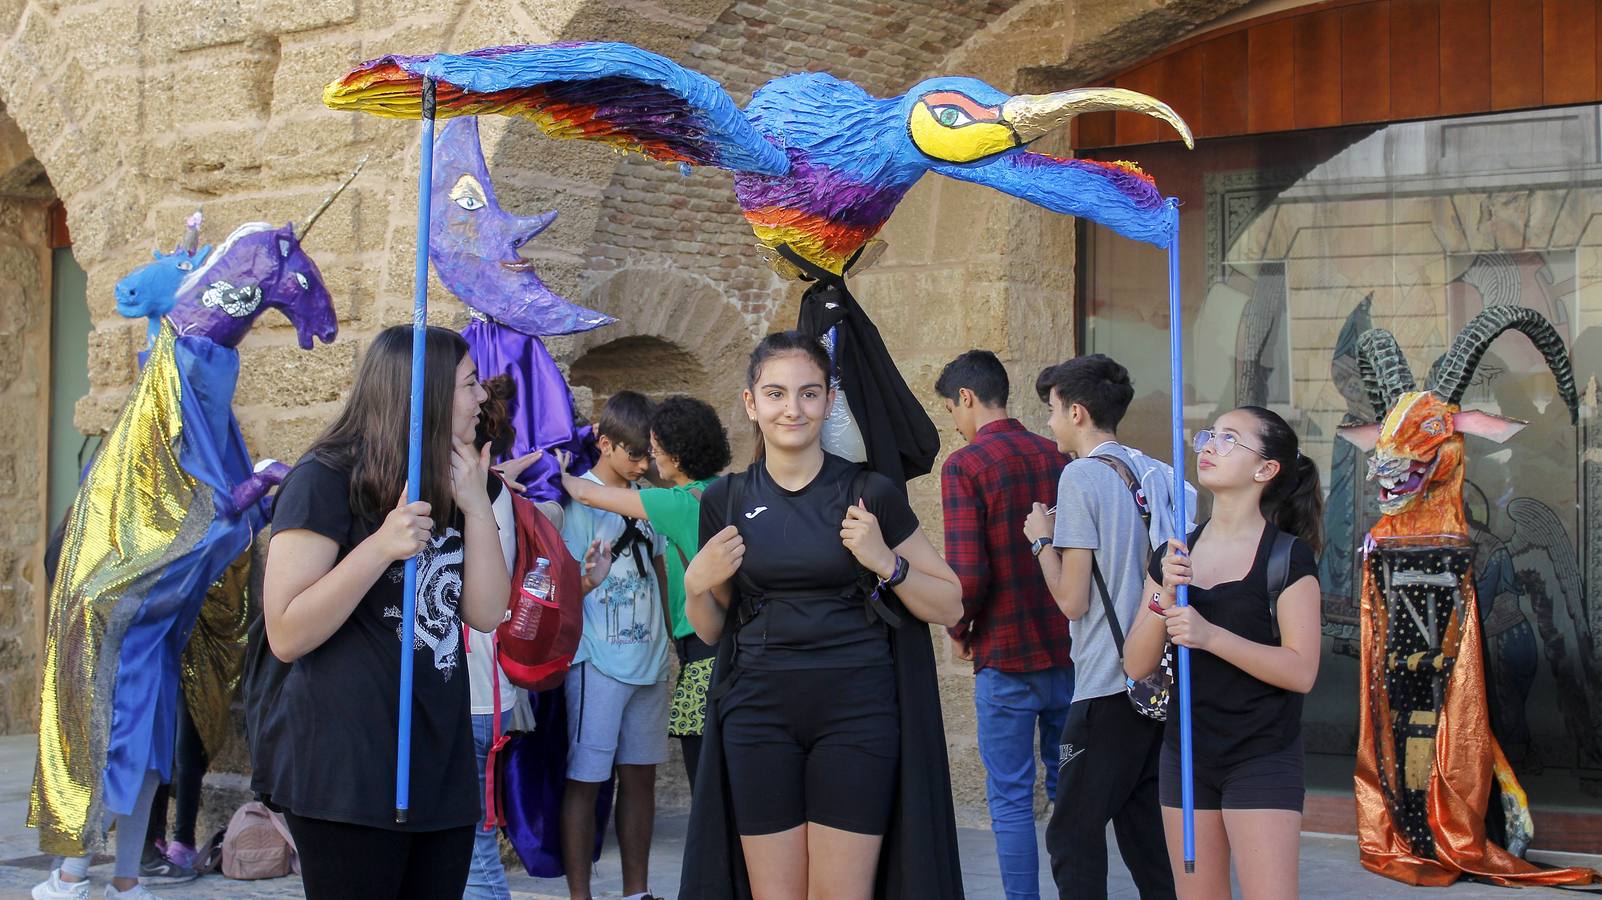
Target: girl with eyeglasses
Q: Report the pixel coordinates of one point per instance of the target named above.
(1252, 658)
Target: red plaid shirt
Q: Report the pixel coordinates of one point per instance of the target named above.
(987, 489)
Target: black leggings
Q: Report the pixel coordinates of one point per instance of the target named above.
(340, 861)
(188, 769)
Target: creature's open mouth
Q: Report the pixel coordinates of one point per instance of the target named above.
(518, 265)
(1398, 477)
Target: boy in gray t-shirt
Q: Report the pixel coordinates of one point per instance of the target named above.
(1095, 512)
(1107, 761)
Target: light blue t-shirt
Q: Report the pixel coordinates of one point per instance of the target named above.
(624, 634)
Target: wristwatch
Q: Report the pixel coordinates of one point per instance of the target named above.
(1039, 545)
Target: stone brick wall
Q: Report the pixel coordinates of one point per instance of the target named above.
(24, 439)
(140, 110)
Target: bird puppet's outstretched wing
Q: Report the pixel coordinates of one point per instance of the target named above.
(613, 93)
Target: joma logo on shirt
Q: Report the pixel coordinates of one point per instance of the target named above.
(756, 512)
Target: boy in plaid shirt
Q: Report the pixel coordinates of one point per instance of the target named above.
(1012, 630)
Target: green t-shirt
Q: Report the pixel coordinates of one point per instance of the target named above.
(675, 513)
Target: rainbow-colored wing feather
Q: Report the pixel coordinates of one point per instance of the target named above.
(616, 94)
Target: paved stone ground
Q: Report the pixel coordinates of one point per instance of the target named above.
(1329, 862)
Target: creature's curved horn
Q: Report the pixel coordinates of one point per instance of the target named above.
(1032, 115)
(1457, 367)
(1386, 375)
(300, 233)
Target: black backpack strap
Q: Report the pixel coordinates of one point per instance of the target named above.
(1107, 605)
(1279, 559)
(877, 610)
(1139, 496)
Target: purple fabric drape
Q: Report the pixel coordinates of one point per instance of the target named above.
(532, 774)
(541, 407)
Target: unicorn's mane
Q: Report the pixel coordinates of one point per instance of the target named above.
(197, 277)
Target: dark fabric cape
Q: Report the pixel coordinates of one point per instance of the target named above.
(919, 859)
(901, 439)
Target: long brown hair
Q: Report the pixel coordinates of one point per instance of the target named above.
(369, 439)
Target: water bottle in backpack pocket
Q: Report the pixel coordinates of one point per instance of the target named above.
(533, 599)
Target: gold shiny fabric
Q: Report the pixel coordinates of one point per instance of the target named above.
(136, 511)
(214, 658)
(1458, 765)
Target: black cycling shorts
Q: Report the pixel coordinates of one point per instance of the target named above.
(812, 745)
(1272, 781)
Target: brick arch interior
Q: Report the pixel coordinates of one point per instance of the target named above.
(676, 334)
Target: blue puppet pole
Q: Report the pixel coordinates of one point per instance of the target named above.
(1176, 368)
(414, 455)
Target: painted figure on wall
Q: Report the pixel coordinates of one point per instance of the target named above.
(1428, 766)
(150, 592)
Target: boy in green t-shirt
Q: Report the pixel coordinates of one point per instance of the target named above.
(690, 448)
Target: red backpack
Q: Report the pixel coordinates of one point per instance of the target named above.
(541, 662)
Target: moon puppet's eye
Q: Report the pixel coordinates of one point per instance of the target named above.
(468, 193)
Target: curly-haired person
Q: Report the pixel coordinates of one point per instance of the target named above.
(690, 447)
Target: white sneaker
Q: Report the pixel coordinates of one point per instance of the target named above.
(137, 892)
(56, 889)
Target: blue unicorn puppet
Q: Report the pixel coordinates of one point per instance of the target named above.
(159, 537)
(151, 289)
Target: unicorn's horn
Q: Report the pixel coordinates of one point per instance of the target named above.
(300, 233)
(191, 238)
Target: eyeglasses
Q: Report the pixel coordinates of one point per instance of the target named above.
(1223, 443)
(640, 455)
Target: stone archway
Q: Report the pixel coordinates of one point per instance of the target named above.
(676, 334)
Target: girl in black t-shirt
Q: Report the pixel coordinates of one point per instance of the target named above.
(332, 607)
(1248, 673)
(809, 726)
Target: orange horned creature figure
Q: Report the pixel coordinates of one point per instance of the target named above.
(1428, 767)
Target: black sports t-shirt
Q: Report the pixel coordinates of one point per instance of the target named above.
(332, 742)
(1233, 715)
(792, 544)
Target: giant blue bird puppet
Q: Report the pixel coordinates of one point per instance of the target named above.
(819, 165)
(149, 594)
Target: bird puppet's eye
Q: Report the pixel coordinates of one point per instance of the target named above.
(186, 267)
(951, 116)
(469, 203)
(304, 284)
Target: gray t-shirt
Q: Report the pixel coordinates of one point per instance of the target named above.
(1095, 512)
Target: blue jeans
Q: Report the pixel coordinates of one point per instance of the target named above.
(1019, 712)
(486, 877)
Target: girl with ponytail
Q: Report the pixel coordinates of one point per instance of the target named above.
(1253, 655)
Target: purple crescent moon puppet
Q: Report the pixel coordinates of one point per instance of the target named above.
(157, 542)
(473, 244)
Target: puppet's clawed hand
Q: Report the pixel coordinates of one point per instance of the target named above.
(269, 474)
